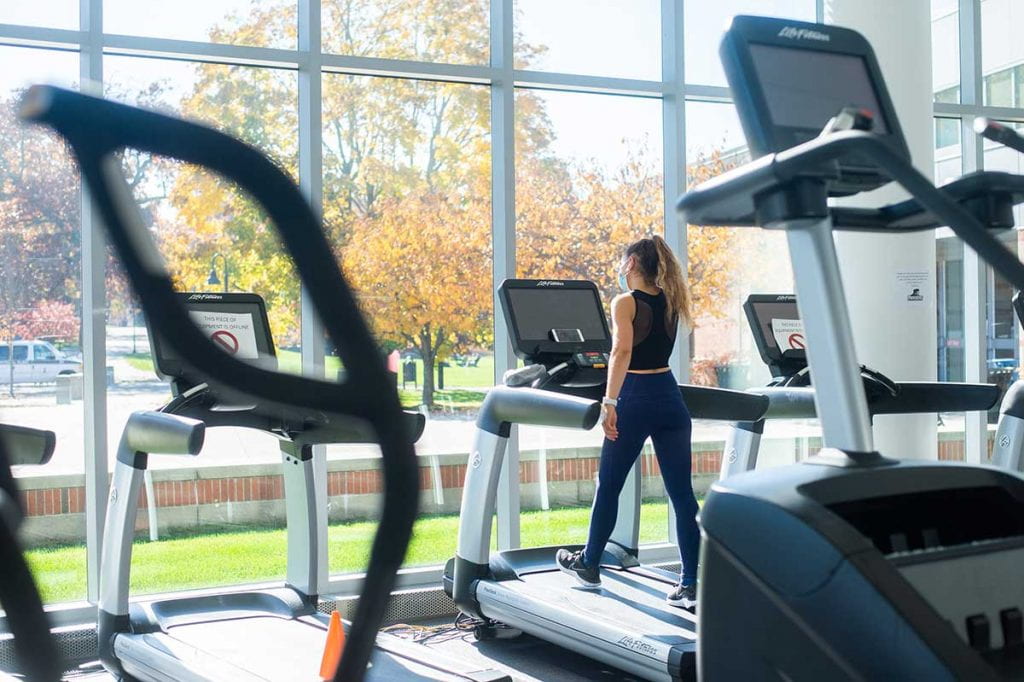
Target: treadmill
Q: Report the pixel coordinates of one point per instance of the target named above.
(559, 328)
(778, 334)
(261, 634)
(851, 565)
(35, 650)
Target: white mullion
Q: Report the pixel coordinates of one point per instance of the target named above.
(310, 118)
(94, 307)
(504, 244)
(404, 68)
(198, 51)
(975, 271)
(582, 83)
(36, 36)
(673, 69)
(674, 153)
(311, 182)
(707, 93)
(952, 109)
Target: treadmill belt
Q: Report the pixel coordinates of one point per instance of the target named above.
(631, 601)
(271, 648)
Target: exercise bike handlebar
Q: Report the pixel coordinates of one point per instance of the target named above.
(96, 130)
(721, 200)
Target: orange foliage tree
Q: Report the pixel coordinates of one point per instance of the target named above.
(406, 182)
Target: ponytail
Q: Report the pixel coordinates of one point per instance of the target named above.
(672, 281)
(661, 268)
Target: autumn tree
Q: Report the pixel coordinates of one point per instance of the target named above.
(406, 181)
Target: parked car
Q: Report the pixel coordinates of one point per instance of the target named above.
(35, 361)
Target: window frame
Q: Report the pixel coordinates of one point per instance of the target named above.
(311, 63)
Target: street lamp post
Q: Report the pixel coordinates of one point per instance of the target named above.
(213, 279)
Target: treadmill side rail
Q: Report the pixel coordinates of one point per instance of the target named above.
(478, 499)
(1008, 452)
(115, 566)
(742, 446)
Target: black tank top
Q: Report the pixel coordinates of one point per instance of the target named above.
(652, 338)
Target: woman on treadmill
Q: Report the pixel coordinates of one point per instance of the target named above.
(642, 400)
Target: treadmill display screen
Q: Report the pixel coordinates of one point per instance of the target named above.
(805, 91)
(538, 311)
(236, 323)
(771, 318)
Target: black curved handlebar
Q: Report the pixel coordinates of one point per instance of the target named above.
(96, 130)
(35, 649)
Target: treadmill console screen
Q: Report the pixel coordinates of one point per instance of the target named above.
(790, 78)
(805, 93)
(236, 323)
(776, 326)
(554, 316)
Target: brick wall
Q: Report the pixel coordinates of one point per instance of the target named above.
(580, 465)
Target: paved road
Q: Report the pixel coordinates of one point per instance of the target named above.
(139, 390)
(443, 434)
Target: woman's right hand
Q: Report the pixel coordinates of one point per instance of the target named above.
(610, 423)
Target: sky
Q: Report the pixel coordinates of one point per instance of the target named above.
(617, 38)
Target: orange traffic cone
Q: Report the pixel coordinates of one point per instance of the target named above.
(332, 651)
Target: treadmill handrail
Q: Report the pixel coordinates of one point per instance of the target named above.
(23, 445)
(505, 405)
(723, 404)
(913, 397)
(96, 130)
(19, 596)
(775, 170)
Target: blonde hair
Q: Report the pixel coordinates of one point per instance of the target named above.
(660, 267)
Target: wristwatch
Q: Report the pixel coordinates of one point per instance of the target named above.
(610, 401)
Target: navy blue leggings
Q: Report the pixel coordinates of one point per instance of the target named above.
(649, 406)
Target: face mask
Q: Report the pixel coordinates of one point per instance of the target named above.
(623, 284)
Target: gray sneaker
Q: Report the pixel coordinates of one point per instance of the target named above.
(572, 564)
(683, 597)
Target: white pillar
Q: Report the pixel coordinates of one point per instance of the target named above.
(895, 335)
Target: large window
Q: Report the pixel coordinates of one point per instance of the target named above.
(588, 183)
(41, 319)
(260, 23)
(406, 198)
(425, 182)
(996, 65)
(706, 21)
(946, 50)
(619, 38)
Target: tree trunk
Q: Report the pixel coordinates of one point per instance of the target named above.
(429, 357)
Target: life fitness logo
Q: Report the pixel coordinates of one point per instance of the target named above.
(803, 34)
(550, 283)
(205, 297)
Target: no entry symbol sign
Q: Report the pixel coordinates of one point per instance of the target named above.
(796, 342)
(226, 340)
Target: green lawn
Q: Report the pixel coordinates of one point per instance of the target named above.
(140, 361)
(258, 555)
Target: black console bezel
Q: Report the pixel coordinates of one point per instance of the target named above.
(531, 349)
(170, 367)
(780, 364)
(762, 134)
